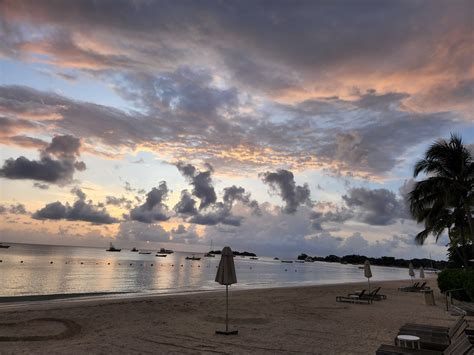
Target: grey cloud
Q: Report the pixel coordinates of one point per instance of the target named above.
(283, 182)
(143, 232)
(118, 201)
(220, 213)
(201, 182)
(376, 207)
(58, 171)
(41, 186)
(153, 209)
(186, 205)
(234, 193)
(13, 209)
(81, 210)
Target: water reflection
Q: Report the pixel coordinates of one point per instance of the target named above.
(75, 270)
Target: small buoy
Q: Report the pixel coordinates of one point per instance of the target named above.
(109, 264)
(296, 270)
(97, 263)
(250, 268)
(51, 262)
(172, 264)
(181, 265)
(151, 265)
(82, 263)
(66, 262)
(199, 265)
(131, 264)
(1, 261)
(286, 269)
(21, 261)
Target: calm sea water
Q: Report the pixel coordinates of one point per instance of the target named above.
(90, 270)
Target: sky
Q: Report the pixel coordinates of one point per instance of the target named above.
(277, 127)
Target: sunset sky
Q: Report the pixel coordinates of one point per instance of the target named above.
(277, 127)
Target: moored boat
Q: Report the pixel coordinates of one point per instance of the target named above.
(192, 258)
(165, 251)
(112, 248)
(134, 250)
(4, 246)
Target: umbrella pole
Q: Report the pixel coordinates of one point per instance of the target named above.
(226, 308)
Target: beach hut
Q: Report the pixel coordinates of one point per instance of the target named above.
(411, 271)
(226, 276)
(367, 272)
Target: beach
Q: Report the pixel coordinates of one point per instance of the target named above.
(270, 321)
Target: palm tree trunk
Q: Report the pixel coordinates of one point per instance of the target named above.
(467, 208)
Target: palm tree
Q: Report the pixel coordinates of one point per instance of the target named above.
(445, 199)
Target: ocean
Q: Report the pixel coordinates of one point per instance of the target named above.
(27, 270)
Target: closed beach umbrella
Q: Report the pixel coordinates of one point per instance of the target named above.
(226, 276)
(367, 272)
(422, 273)
(411, 271)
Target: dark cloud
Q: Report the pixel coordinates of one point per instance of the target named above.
(41, 186)
(376, 207)
(153, 209)
(339, 215)
(48, 169)
(234, 193)
(219, 213)
(81, 210)
(283, 183)
(118, 201)
(186, 205)
(13, 209)
(201, 182)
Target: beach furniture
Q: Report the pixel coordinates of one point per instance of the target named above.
(226, 276)
(354, 298)
(448, 331)
(464, 345)
(374, 295)
(415, 288)
(456, 340)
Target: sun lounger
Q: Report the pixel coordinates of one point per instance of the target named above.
(449, 331)
(408, 287)
(415, 288)
(463, 345)
(354, 298)
(373, 295)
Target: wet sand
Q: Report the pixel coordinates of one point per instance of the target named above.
(270, 321)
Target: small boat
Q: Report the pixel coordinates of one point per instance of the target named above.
(309, 259)
(112, 248)
(275, 258)
(287, 261)
(192, 258)
(134, 250)
(361, 267)
(253, 258)
(165, 251)
(161, 255)
(209, 255)
(144, 252)
(3, 246)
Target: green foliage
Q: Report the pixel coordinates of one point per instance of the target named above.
(450, 279)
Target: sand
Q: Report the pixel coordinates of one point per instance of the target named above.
(270, 321)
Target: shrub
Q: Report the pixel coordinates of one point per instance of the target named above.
(450, 279)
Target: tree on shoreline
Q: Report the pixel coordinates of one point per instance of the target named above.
(445, 199)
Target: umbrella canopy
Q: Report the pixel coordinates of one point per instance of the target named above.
(367, 271)
(226, 271)
(411, 272)
(422, 273)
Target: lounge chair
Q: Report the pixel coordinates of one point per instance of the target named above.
(408, 287)
(354, 298)
(415, 288)
(462, 345)
(374, 295)
(448, 331)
